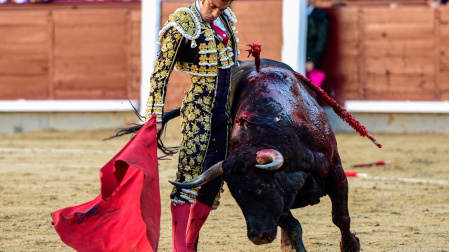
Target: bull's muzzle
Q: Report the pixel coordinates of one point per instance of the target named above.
(269, 159)
(211, 173)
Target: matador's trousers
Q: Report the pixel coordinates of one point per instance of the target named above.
(216, 140)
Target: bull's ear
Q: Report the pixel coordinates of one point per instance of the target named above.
(296, 179)
(292, 181)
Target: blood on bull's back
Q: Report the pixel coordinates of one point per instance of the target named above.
(276, 99)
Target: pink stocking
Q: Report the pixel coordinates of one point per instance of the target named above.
(198, 215)
(180, 216)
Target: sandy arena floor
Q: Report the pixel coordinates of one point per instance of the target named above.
(400, 207)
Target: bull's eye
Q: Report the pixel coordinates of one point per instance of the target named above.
(260, 188)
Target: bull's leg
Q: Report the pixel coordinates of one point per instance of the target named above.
(338, 193)
(291, 234)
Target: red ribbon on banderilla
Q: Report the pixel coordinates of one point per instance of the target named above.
(364, 175)
(378, 163)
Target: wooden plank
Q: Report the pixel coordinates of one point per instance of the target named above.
(404, 15)
(348, 49)
(348, 65)
(23, 81)
(349, 95)
(23, 87)
(444, 60)
(104, 64)
(134, 47)
(28, 94)
(395, 65)
(90, 17)
(24, 65)
(89, 33)
(13, 50)
(400, 83)
(351, 81)
(134, 60)
(90, 80)
(398, 31)
(352, 95)
(400, 96)
(24, 34)
(349, 33)
(444, 96)
(443, 87)
(136, 16)
(86, 94)
(444, 14)
(93, 49)
(399, 48)
(444, 81)
(265, 31)
(133, 91)
(51, 55)
(346, 16)
(134, 33)
(444, 30)
(134, 69)
(24, 18)
(443, 54)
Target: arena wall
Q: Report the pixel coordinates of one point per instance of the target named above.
(92, 51)
(60, 52)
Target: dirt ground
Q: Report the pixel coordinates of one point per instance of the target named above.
(400, 207)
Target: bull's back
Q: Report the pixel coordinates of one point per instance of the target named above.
(278, 81)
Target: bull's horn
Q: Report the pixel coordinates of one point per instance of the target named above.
(269, 159)
(211, 173)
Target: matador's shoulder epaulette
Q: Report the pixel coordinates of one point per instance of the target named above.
(230, 15)
(186, 22)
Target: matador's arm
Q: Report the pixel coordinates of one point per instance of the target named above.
(162, 70)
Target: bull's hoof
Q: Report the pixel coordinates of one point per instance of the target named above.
(289, 248)
(352, 244)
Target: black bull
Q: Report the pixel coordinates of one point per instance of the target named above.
(283, 156)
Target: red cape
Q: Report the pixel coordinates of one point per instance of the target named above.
(126, 215)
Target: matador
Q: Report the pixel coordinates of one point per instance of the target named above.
(199, 40)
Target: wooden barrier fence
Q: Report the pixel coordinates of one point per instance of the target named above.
(93, 51)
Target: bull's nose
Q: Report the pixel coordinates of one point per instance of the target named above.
(261, 238)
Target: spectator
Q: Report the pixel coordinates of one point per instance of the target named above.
(317, 29)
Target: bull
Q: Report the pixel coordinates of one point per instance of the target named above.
(283, 156)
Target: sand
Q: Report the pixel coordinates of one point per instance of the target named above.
(400, 207)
